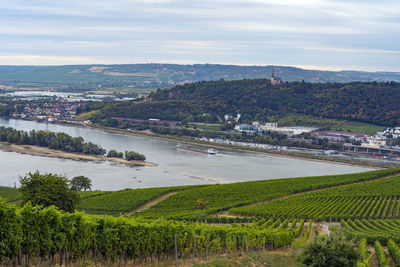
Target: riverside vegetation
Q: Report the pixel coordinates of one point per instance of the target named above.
(61, 141)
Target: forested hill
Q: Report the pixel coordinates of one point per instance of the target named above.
(376, 103)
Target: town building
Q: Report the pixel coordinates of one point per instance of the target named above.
(374, 142)
(248, 128)
(273, 127)
(340, 136)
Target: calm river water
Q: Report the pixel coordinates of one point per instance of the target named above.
(176, 167)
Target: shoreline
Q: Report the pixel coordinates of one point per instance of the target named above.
(47, 152)
(295, 155)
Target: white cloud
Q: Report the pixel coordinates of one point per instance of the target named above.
(360, 33)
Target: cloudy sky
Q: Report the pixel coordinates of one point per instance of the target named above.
(320, 34)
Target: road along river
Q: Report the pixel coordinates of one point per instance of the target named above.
(175, 167)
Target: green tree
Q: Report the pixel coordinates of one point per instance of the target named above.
(48, 189)
(81, 182)
(132, 155)
(114, 154)
(330, 251)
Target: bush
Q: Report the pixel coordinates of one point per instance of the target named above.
(330, 251)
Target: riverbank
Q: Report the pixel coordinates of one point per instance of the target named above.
(47, 152)
(281, 153)
(317, 156)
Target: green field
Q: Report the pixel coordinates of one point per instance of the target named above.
(372, 199)
(224, 197)
(124, 201)
(332, 124)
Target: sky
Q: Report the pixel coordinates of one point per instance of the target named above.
(314, 34)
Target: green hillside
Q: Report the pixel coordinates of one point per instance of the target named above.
(373, 103)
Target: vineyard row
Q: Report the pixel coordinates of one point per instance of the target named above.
(45, 233)
(327, 208)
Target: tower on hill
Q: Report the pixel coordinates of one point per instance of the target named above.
(275, 81)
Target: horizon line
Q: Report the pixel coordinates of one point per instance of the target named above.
(305, 67)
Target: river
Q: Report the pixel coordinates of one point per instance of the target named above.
(176, 167)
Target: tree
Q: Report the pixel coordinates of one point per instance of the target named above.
(132, 155)
(48, 189)
(201, 204)
(114, 154)
(330, 251)
(81, 182)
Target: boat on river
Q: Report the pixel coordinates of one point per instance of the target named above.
(210, 151)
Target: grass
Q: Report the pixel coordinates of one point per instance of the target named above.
(281, 258)
(87, 115)
(332, 124)
(205, 127)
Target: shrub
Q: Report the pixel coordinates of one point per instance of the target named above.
(330, 251)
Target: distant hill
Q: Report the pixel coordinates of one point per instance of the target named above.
(258, 99)
(169, 75)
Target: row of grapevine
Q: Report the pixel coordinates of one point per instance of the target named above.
(325, 208)
(47, 232)
(306, 235)
(218, 219)
(227, 196)
(115, 203)
(394, 251)
(383, 261)
(372, 230)
(374, 199)
(364, 254)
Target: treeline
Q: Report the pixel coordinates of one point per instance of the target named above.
(6, 110)
(59, 141)
(52, 140)
(259, 100)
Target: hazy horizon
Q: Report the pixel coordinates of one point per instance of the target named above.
(310, 34)
(222, 64)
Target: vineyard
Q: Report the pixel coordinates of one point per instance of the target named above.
(224, 197)
(366, 204)
(115, 203)
(372, 230)
(219, 197)
(369, 200)
(34, 234)
(376, 233)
